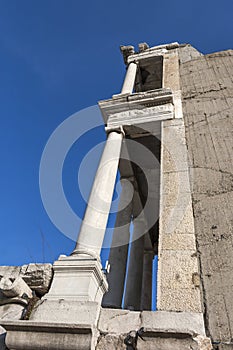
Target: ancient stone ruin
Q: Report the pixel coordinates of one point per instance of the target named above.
(169, 132)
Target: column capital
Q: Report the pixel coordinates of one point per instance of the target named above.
(134, 61)
(118, 129)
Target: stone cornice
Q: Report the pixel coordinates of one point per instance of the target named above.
(159, 50)
(141, 101)
(139, 112)
(129, 55)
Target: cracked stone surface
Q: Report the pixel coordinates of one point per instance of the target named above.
(113, 342)
(207, 93)
(161, 330)
(110, 342)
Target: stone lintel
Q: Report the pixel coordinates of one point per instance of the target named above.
(142, 121)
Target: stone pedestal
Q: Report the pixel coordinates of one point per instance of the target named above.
(77, 278)
(75, 294)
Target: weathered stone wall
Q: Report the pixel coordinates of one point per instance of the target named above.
(207, 92)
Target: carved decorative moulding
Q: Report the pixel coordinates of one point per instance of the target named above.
(138, 109)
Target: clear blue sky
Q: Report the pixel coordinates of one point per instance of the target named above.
(56, 58)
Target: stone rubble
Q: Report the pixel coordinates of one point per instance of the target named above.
(37, 276)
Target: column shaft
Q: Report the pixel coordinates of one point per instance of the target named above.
(129, 79)
(119, 250)
(134, 278)
(94, 224)
(146, 299)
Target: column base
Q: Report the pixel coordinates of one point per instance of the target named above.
(79, 278)
(76, 292)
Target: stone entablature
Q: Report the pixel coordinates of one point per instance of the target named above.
(159, 50)
(138, 109)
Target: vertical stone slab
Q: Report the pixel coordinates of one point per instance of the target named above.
(178, 275)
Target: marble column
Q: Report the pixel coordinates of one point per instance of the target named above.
(135, 270)
(133, 289)
(94, 224)
(78, 279)
(119, 250)
(146, 299)
(129, 79)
